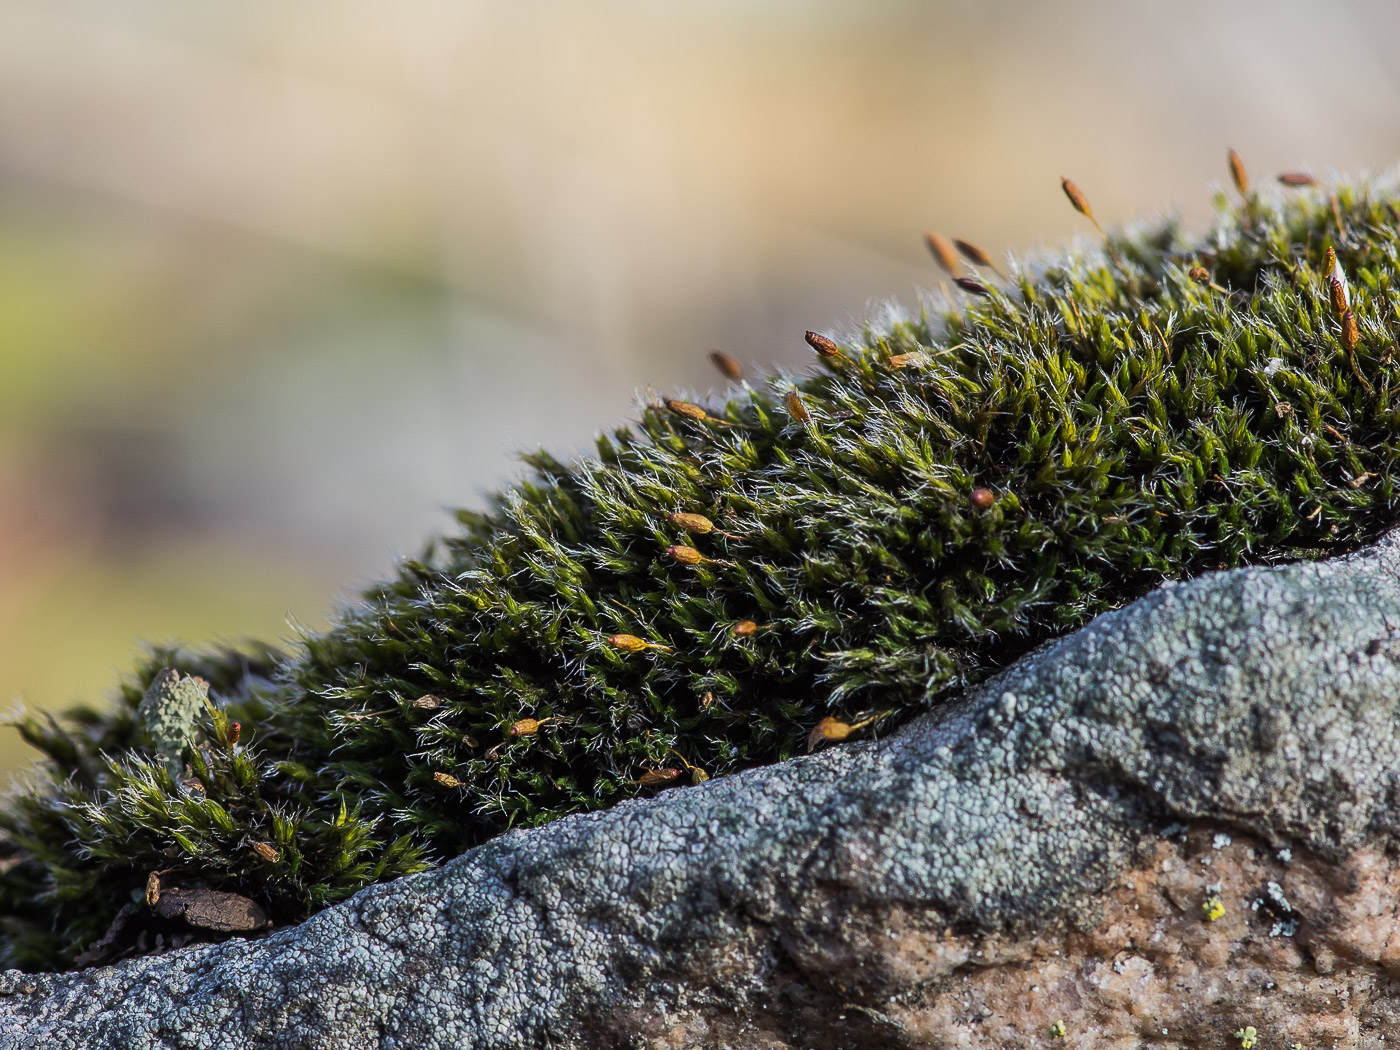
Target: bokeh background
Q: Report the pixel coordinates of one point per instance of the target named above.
(281, 282)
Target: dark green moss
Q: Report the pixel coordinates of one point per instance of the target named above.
(1130, 423)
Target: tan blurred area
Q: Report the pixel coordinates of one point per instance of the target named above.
(280, 282)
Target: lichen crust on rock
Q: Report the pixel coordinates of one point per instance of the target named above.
(736, 579)
(169, 715)
(958, 883)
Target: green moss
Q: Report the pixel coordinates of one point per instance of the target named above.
(577, 643)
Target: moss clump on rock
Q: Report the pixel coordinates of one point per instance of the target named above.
(727, 583)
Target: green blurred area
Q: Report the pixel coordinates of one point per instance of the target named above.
(103, 543)
(141, 357)
(69, 634)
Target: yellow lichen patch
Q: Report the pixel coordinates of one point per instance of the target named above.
(1213, 908)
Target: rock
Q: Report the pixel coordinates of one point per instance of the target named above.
(1172, 826)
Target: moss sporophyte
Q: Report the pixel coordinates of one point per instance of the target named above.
(730, 581)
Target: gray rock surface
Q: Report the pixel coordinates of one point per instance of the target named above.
(767, 908)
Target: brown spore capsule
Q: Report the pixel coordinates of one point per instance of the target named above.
(832, 729)
(628, 643)
(744, 629)
(728, 367)
(1337, 294)
(972, 252)
(696, 523)
(795, 407)
(266, 851)
(1199, 274)
(447, 780)
(983, 498)
(901, 360)
(235, 730)
(1077, 198)
(685, 555)
(823, 346)
(1351, 334)
(973, 285)
(1081, 205)
(828, 729)
(653, 777)
(1297, 178)
(686, 410)
(1238, 174)
(525, 727)
(942, 250)
(428, 702)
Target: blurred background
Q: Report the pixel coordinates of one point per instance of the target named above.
(280, 282)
